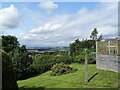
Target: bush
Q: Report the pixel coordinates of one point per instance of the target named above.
(61, 68)
(81, 59)
(8, 75)
(44, 62)
(62, 58)
(91, 59)
(41, 63)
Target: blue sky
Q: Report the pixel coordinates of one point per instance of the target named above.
(57, 23)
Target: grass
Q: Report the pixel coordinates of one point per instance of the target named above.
(97, 79)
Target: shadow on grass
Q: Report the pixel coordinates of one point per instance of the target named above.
(92, 77)
(32, 88)
(69, 89)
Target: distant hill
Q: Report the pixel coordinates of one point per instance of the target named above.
(61, 48)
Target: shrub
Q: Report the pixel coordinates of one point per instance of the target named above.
(81, 59)
(41, 63)
(8, 75)
(62, 58)
(91, 59)
(61, 68)
(44, 62)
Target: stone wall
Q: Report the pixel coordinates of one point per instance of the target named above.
(108, 62)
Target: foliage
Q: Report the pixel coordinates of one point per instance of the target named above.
(9, 43)
(91, 59)
(62, 58)
(61, 53)
(21, 62)
(19, 56)
(94, 34)
(77, 51)
(100, 38)
(42, 63)
(61, 68)
(8, 75)
(81, 59)
(78, 47)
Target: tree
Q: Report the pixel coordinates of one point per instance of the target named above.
(77, 47)
(94, 34)
(19, 56)
(72, 49)
(21, 62)
(9, 43)
(8, 75)
(100, 38)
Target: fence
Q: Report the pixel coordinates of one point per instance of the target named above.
(108, 55)
(108, 47)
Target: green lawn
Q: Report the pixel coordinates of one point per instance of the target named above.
(102, 79)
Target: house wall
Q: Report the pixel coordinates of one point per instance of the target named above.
(108, 62)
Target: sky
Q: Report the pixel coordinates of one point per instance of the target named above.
(43, 24)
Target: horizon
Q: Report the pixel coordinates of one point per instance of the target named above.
(55, 24)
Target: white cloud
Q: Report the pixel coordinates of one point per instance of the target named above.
(9, 17)
(47, 28)
(56, 35)
(49, 5)
(62, 30)
(29, 37)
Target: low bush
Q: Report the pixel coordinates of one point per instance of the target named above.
(61, 68)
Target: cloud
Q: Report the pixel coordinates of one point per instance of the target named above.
(9, 17)
(63, 29)
(47, 28)
(49, 5)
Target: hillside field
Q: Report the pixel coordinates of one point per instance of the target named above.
(97, 79)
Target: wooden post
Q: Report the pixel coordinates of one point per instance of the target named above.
(86, 68)
(96, 48)
(109, 46)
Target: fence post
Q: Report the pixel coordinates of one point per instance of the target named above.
(109, 47)
(86, 67)
(96, 48)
